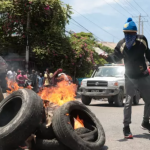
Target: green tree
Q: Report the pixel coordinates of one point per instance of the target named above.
(47, 21)
(105, 48)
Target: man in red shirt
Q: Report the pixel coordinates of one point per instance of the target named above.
(148, 68)
(21, 79)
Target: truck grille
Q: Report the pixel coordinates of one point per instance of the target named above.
(97, 83)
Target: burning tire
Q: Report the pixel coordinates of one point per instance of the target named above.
(87, 135)
(63, 121)
(20, 115)
(42, 144)
(45, 133)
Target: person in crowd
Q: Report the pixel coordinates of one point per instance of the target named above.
(21, 78)
(148, 68)
(27, 74)
(33, 78)
(11, 74)
(47, 78)
(40, 81)
(18, 72)
(133, 48)
(55, 76)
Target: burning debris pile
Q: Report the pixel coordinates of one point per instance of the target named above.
(49, 120)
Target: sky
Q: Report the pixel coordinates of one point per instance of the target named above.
(106, 18)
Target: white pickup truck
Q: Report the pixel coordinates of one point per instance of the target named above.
(106, 82)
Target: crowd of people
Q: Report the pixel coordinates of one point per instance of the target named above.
(35, 79)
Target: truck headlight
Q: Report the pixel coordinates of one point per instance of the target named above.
(114, 83)
(84, 83)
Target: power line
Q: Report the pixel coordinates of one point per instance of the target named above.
(85, 28)
(115, 8)
(96, 25)
(89, 31)
(122, 7)
(140, 7)
(132, 5)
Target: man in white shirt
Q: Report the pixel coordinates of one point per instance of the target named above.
(11, 74)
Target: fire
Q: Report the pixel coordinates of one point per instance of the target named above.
(13, 86)
(62, 93)
(78, 123)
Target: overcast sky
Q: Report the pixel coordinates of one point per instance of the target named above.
(108, 15)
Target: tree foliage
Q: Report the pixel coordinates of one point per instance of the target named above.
(105, 48)
(43, 23)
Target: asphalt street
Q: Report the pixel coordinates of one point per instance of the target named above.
(111, 118)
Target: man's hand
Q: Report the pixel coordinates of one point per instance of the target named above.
(104, 56)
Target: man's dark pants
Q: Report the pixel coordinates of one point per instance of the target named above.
(143, 85)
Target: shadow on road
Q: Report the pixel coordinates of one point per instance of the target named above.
(123, 140)
(142, 136)
(105, 148)
(108, 105)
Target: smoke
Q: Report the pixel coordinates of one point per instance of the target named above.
(16, 61)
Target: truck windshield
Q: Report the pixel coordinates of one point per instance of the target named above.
(110, 72)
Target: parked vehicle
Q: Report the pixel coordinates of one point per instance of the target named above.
(106, 82)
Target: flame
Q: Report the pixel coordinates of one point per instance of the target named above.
(13, 86)
(62, 93)
(78, 123)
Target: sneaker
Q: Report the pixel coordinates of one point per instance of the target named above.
(127, 132)
(145, 125)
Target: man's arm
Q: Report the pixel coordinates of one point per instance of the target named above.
(147, 51)
(117, 55)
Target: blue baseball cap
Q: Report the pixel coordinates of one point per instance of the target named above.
(130, 26)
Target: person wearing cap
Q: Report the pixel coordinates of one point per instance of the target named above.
(133, 48)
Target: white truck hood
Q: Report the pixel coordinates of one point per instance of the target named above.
(102, 79)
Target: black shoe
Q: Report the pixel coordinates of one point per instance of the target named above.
(127, 132)
(145, 125)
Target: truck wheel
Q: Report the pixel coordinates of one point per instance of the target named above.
(136, 98)
(86, 100)
(119, 98)
(110, 101)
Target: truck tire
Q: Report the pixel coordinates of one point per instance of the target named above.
(136, 98)
(119, 98)
(86, 100)
(20, 115)
(110, 101)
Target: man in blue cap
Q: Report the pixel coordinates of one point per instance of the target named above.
(133, 48)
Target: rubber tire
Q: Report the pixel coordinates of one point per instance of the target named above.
(118, 102)
(43, 144)
(1, 95)
(136, 98)
(86, 100)
(65, 133)
(25, 121)
(45, 133)
(86, 134)
(110, 101)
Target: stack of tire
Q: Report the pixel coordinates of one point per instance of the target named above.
(21, 114)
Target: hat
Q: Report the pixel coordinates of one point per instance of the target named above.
(130, 26)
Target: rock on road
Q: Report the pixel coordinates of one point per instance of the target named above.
(111, 118)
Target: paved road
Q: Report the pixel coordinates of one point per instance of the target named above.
(111, 118)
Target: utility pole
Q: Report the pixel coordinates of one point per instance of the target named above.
(27, 46)
(142, 28)
(139, 23)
